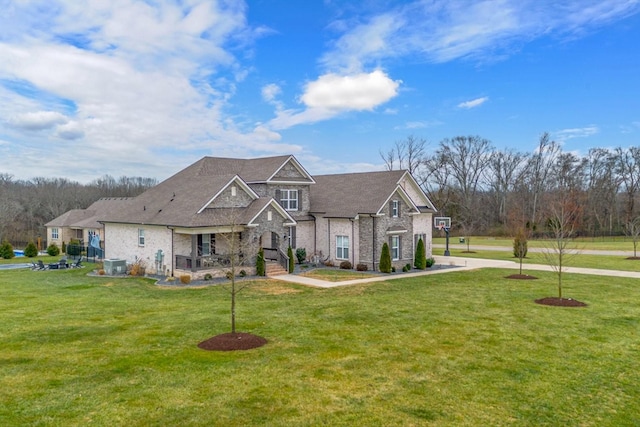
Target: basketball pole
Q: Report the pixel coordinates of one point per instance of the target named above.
(446, 250)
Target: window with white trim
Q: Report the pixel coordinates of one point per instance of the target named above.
(54, 233)
(289, 199)
(395, 248)
(342, 247)
(204, 244)
(140, 236)
(395, 208)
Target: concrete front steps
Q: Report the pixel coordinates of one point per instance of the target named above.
(274, 269)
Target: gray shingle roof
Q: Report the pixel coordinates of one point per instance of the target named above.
(88, 218)
(350, 194)
(176, 201)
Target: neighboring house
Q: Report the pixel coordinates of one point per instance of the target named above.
(82, 224)
(185, 224)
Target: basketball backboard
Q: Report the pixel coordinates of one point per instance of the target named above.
(442, 222)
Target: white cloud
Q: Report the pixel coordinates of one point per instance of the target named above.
(473, 103)
(333, 94)
(567, 134)
(71, 130)
(419, 125)
(483, 30)
(38, 120)
(363, 91)
(270, 92)
(132, 80)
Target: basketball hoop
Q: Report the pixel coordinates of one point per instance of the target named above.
(442, 223)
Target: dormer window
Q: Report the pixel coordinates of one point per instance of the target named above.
(289, 199)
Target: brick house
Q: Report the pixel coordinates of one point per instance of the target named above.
(188, 223)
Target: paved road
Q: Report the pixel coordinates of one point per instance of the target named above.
(443, 265)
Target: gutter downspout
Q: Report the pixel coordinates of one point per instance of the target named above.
(329, 238)
(315, 234)
(173, 258)
(353, 237)
(373, 236)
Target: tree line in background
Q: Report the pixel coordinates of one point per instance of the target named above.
(484, 190)
(498, 192)
(25, 206)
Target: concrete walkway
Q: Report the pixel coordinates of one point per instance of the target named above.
(463, 247)
(450, 264)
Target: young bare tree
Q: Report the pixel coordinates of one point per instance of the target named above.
(564, 214)
(520, 245)
(632, 230)
(235, 251)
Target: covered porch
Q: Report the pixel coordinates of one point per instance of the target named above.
(218, 250)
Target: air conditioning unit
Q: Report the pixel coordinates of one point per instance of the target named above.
(115, 266)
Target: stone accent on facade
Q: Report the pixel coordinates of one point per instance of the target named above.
(290, 173)
(226, 199)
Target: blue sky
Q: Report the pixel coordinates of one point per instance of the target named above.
(145, 88)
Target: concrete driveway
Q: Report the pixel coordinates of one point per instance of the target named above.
(448, 264)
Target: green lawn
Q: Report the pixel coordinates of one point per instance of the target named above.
(619, 243)
(461, 348)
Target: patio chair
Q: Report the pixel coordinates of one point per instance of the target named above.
(41, 265)
(77, 264)
(34, 265)
(63, 263)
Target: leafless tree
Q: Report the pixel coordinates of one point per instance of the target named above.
(603, 185)
(564, 212)
(406, 154)
(506, 169)
(632, 230)
(238, 252)
(467, 158)
(436, 182)
(539, 169)
(628, 169)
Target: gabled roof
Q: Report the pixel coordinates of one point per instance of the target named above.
(258, 170)
(181, 200)
(218, 217)
(348, 195)
(404, 196)
(235, 180)
(88, 218)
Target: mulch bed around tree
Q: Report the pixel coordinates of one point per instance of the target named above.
(521, 277)
(230, 342)
(560, 302)
(633, 257)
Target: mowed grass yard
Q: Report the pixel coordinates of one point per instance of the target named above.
(615, 243)
(460, 348)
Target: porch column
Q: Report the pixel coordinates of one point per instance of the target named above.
(194, 251)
